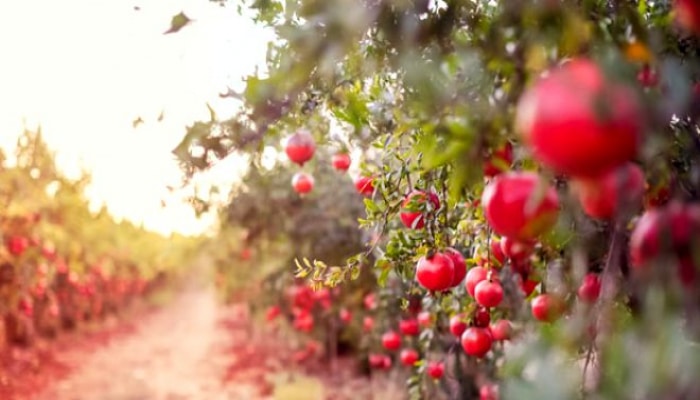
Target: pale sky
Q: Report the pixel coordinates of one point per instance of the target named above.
(85, 69)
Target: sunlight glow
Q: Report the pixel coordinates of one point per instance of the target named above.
(86, 69)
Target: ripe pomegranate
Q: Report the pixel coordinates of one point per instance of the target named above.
(424, 319)
(590, 288)
(481, 317)
(364, 185)
(578, 122)
(409, 327)
(379, 361)
(647, 77)
(370, 301)
(341, 161)
(435, 369)
(497, 255)
(345, 315)
(391, 340)
(435, 273)
(474, 276)
(602, 198)
(516, 250)
(477, 342)
(408, 357)
(17, 245)
(688, 14)
(547, 308)
(302, 182)
(520, 205)
(272, 313)
(411, 214)
(671, 230)
(457, 325)
(501, 330)
(488, 392)
(460, 266)
(499, 161)
(300, 147)
(368, 324)
(488, 293)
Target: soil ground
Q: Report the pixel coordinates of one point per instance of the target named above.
(191, 349)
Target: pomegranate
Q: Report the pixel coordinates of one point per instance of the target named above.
(391, 340)
(460, 266)
(477, 342)
(590, 288)
(300, 147)
(409, 327)
(481, 317)
(520, 205)
(341, 161)
(501, 330)
(302, 182)
(408, 357)
(474, 276)
(547, 308)
(435, 369)
(602, 198)
(648, 77)
(499, 161)
(457, 325)
(424, 319)
(364, 185)
(435, 273)
(578, 122)
(411, 214)
(671, 230)
(688, 14)
(516, 250)
(488, 293)
(368, 324)
(17, 245)
(488, 392)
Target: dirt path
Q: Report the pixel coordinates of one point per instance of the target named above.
(175, 354)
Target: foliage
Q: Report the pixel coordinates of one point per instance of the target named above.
(429, 92)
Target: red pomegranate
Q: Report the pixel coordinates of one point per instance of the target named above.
(300, 147)
(501, 330)
(459, 264)
(391, 340)
(589, 290)
(477, 342)
(341, 161)
(364, 185)
(547, 308)
(602, 198)
(412, 215)
(488, 293)
(520, 205)
(408, 357)
(516, 250)
(457, 325)
(435, 272)
(672, 230)
(499, 161)
(302, 182)
(578, 122)
(474, 276)
(688, 14)
(435, 369)
(409, 327)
